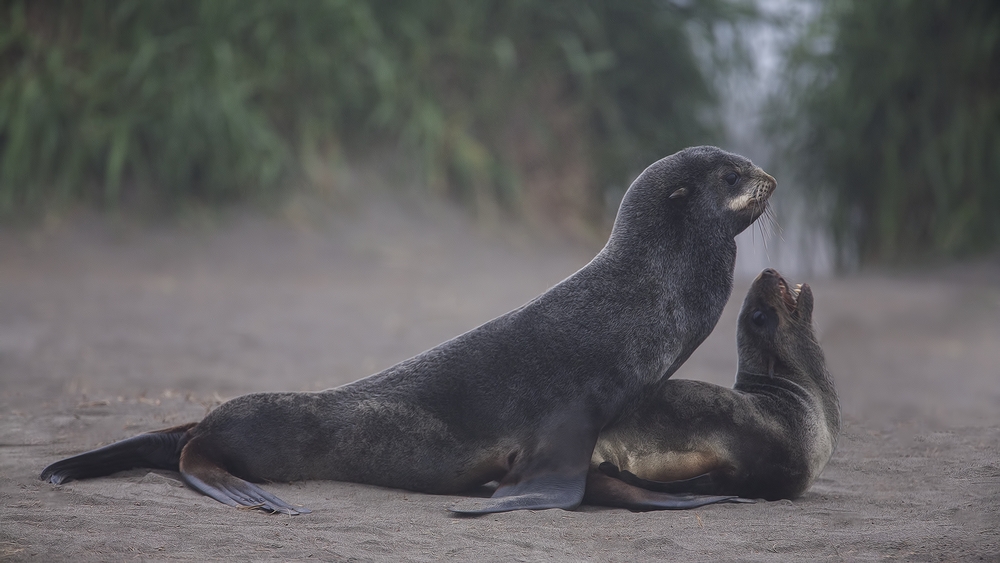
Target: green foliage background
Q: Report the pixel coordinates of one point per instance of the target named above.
(894, 123)
(161, 102)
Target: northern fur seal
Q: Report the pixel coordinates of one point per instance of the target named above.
(767, 437)
(520, 399)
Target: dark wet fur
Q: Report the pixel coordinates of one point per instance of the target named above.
(520, 399)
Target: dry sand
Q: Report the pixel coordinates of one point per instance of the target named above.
(105, 333)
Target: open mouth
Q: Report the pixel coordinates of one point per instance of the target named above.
(789, 295)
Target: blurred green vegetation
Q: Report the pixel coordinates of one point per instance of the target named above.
(160, 102)
(893, 120)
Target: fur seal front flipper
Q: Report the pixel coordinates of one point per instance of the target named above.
(520, 399)
(552, 476)
(550, 490)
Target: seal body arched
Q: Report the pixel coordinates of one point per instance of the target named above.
(767, 437)
(520, 399)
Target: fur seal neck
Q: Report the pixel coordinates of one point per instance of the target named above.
(696, 199)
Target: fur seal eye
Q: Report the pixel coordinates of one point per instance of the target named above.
(732, 178)
(758, 318)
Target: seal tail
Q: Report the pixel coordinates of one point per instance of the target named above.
(156, 450)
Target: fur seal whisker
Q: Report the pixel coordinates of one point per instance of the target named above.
(768, 225)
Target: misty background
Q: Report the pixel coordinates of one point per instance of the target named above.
(880, 119)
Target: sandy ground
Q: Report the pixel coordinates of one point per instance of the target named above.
(108, 332)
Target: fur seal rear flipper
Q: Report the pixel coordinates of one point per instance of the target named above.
(606, 486)
(162, 449)
(703, 484)
(768, 437)
(519, 400)
(202, 473)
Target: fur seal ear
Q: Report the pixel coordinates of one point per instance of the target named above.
(805, 303)
(679, 193)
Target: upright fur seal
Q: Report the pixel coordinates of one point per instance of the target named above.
(520, 399)
(767, 437)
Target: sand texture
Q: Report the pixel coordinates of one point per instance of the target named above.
(105, 333)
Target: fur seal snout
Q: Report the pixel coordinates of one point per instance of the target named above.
(768, 437)
(520, 399)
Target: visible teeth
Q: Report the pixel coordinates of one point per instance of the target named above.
(797, 289)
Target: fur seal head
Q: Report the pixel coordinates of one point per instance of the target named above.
(775, 327)
(703, 184)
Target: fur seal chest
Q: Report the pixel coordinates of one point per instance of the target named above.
(767, 437)
(520, 399)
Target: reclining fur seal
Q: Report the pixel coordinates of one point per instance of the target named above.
(520, 399)
(767, 437)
